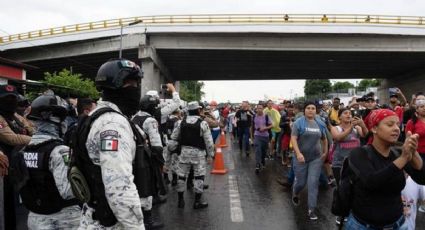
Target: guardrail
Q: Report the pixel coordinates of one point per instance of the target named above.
(220, 20)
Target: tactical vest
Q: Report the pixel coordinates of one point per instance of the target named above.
(142, 169)
(156, 159)
(40, 194)
(190, 134)
(170, 125)
(140, 120)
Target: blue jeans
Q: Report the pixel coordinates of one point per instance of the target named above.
(353, 224)
(323, 179)
(215, 134)
(260, 144)
(243, 135)
(308, 173)
(291, 174)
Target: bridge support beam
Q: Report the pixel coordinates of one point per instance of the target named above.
(409, 84)
(154, 70)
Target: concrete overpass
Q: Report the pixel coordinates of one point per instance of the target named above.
(235, 47)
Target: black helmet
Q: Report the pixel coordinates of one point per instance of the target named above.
(149, 102)
(47, 105)
(23, 101)
(111, 75)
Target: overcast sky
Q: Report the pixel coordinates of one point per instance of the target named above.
(27, 15)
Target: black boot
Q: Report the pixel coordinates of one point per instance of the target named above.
(174, 181)
(149, 221)
(198, 202)
(181, 200)
(166, 179)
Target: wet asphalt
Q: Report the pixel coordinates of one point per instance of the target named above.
(264, 204)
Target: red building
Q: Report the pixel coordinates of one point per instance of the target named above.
(14, 73)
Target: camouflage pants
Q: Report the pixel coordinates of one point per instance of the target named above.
(67, 218)
(199, 170)
(146, 203)
(87, 222)
(174, 162)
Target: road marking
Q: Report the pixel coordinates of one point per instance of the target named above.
(236, 213)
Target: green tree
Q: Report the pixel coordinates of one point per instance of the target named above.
(317, 88)
(363, 84)
(342, 86)
(65, 84)
(191, 90)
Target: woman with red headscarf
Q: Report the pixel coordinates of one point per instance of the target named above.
(378, 169)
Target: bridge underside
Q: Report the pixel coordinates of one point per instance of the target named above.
(197, 64)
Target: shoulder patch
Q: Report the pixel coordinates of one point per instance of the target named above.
(65, 159)
(108, 145)
(108, 133)
(155, 125)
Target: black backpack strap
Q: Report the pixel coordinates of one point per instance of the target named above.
(140, 120)
(370, 155)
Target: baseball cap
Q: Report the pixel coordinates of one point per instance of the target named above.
(193, 105)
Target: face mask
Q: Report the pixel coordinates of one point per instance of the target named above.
(127, 99)
(157, 115)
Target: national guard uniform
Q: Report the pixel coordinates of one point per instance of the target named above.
(108, 157)
(166, 108)
(172, 158)
(162, 112)
(46, 191)
(13, 133)
(194, 136)
(149, 126)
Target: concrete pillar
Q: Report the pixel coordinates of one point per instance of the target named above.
(155, 72)
(409, 84)
(149, 81)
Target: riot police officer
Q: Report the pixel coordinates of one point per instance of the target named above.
(161, 113)
(107, 153)
(46, 193)
(194, 136)
(149, 126)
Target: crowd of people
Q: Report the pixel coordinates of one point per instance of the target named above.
(381, 146)
(85, 164)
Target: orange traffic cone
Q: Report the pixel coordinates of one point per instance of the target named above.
(222, 140)
(218, 163)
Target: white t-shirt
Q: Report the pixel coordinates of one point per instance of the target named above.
(410, 195)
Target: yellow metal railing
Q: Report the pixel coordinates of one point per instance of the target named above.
(221, 20)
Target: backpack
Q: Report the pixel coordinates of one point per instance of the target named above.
(343, 194)
(302, 125)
